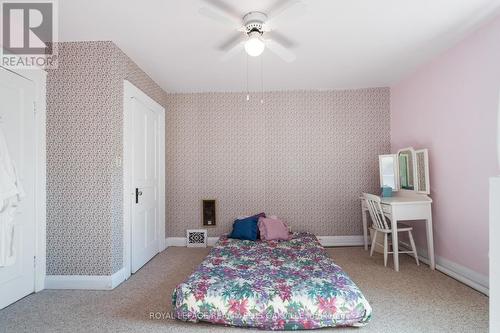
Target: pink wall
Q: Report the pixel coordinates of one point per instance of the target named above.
(449, 106)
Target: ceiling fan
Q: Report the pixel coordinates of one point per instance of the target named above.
(254, 30)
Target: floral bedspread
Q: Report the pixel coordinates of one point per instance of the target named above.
(277, 285)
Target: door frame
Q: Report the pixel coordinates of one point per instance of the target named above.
(39, 77)
(129, 93)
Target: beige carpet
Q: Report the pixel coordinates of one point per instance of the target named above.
(414, 300)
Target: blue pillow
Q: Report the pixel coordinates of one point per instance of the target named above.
(245, 229)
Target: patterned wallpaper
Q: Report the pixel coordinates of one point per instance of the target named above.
(84, 184)
(305, 156)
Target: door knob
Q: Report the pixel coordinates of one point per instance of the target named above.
(137, 194)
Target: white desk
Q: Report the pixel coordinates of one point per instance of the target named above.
(404, 208)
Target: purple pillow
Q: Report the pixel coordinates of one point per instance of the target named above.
(257, 216)
(273, 229)
(260, 215)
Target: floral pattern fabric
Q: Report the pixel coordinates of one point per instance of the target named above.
(277, 285)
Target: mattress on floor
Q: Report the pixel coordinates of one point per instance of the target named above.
(275, 285)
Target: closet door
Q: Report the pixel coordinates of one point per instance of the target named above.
(144, 178)
(146, 182)
(17, 123)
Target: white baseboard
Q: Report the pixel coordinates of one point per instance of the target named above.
(212, 240)
(341, 240)
(181, 241)
(119, 277)
(460, 273)
(90, 282)
(324, 241)
(175, 241)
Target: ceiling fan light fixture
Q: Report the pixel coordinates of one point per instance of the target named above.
(254, 46)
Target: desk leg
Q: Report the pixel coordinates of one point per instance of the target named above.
(430, 242)
(395, 242)
(365, 228)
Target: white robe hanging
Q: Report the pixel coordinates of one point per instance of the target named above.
(11, 193)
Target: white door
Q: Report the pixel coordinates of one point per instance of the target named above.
(145, 182)
(17, 121)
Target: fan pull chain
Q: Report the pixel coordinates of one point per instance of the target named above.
(248, 93)
(262, 79)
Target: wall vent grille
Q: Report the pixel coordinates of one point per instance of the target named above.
(196, 237)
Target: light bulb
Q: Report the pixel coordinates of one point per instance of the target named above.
(254, 46)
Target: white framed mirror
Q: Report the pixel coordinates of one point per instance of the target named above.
(422, 168)
(388, 166)
(407, 172)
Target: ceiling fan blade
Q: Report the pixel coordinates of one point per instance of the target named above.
(280, 50)
(231, 42)
(237, 48)
(226, 9)
(289, 8)
(278, 37)
(219, 17)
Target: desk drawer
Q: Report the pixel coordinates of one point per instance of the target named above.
(387, 209)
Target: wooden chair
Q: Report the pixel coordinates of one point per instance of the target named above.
(380, 225)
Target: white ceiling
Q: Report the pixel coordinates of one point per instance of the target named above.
(340, 43)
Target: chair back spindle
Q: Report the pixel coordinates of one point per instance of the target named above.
(376, 212)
